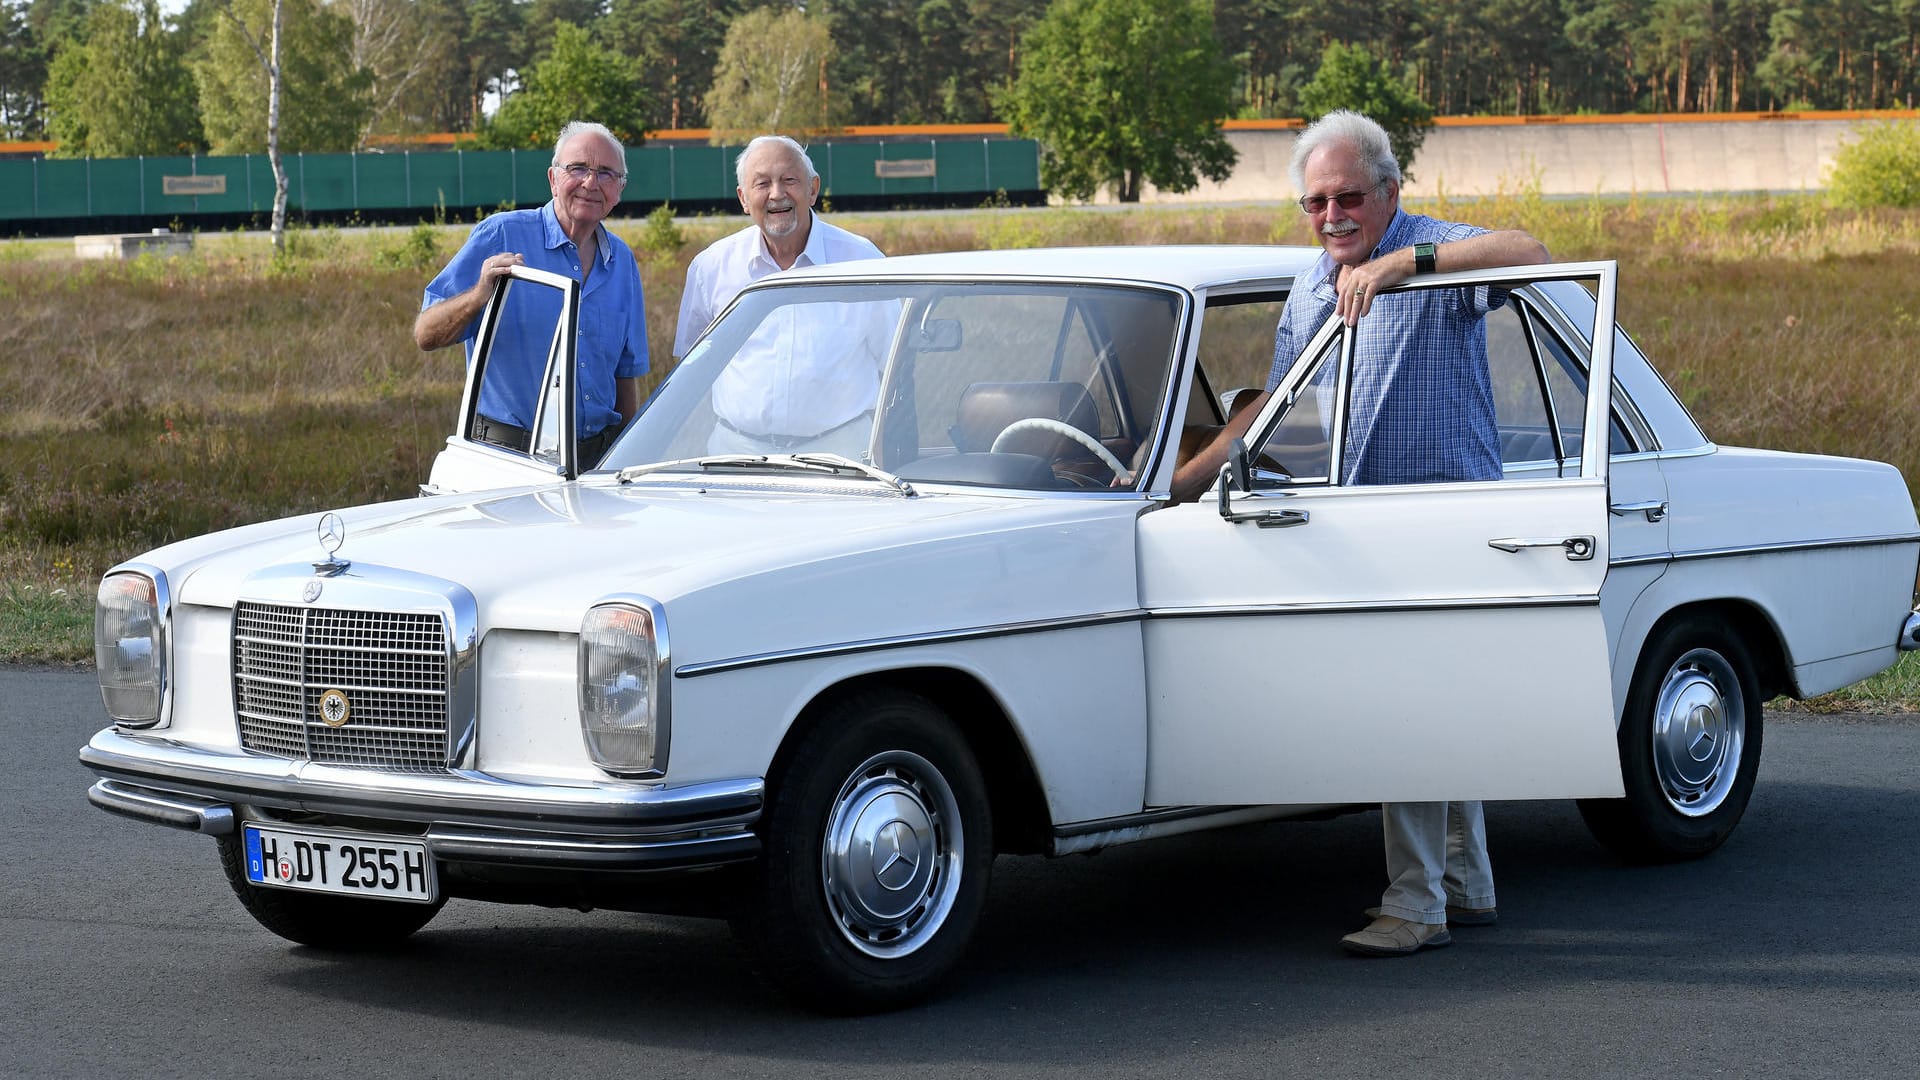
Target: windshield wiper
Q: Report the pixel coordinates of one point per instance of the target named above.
(828, 463)
(837, 463)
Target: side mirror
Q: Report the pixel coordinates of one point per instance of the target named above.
(1238, 473)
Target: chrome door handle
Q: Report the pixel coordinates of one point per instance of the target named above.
(1655, 509)
(1269, 519)
(1578, 548)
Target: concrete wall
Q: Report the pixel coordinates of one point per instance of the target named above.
(1572, 157)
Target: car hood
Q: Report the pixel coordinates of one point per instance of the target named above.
(760, 567)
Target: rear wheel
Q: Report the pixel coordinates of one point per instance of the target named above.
(877, 844)
(324, 922)
(1689, 746)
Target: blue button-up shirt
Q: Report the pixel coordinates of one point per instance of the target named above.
(1422, 402)
(612, 340)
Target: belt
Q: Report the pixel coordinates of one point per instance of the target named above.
(500, 433)
(518, 439)
(788, 442)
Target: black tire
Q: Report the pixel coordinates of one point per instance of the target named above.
(883, 775)
(324, 922)
(1689, 746)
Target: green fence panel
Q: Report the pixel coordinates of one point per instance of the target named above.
(191, 188)
(432, 180)
(847, 169)
(908, 168)
(377, 180)
(63, 187)
(19, 189)
(113, 187)
(225, 185)
(321, 181)
(486, 177)
(1011, 165)
(529, 171)
(961, 166)
(649, 175)
(702, 172)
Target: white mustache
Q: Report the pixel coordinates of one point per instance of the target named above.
(1339, 228)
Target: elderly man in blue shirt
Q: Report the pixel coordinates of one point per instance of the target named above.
(566, 236)
(1421, 411)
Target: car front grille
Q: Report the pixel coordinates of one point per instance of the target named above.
(390, 667)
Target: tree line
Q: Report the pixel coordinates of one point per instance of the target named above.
(124, 77)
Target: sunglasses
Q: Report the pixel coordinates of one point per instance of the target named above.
(1348, 200)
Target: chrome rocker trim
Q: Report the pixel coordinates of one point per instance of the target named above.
(468, 816)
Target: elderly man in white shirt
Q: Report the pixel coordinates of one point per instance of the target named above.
(792, 387)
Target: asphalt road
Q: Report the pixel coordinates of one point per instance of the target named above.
(1792, 952)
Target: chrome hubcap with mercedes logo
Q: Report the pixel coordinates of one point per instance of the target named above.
(892, 852)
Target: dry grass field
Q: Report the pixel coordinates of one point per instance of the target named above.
(155, 399)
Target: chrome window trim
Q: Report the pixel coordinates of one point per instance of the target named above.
(1180, 345)
(372, 587)
(1564, 326)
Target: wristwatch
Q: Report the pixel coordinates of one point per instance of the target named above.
(1423, 260)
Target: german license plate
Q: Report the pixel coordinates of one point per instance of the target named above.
(342, 863)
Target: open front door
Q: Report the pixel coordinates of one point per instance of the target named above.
(1317, 640)
(527, 333)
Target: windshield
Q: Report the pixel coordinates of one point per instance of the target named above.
(1038, 386)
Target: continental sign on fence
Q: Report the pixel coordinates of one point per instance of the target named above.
(193, 185)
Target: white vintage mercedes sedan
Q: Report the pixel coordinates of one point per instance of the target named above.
(814, 685)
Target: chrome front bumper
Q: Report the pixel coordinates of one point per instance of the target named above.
(464, 816)
(1910, 632)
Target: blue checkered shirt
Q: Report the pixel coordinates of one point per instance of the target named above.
(1422, 408)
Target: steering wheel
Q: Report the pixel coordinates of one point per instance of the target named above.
(1044, 423)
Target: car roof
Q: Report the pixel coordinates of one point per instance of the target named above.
(1191, 266)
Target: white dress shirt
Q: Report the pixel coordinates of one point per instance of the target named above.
(731, 263)
(807, 370)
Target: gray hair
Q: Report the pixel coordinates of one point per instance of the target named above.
(794, 148)
(1368, 139)
(584, 127)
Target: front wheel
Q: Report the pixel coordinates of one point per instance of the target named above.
(877, 842)
(324, 922)
(1689, 746)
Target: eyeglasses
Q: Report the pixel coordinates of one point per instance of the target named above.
(1348, 200)
(580, 172)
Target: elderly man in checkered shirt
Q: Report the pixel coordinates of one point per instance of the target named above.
(1421, 412)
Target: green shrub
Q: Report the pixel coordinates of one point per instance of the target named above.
(662, 236)
(1880, 167)
(418, 249)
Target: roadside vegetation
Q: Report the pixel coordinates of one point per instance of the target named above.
(157, 399)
